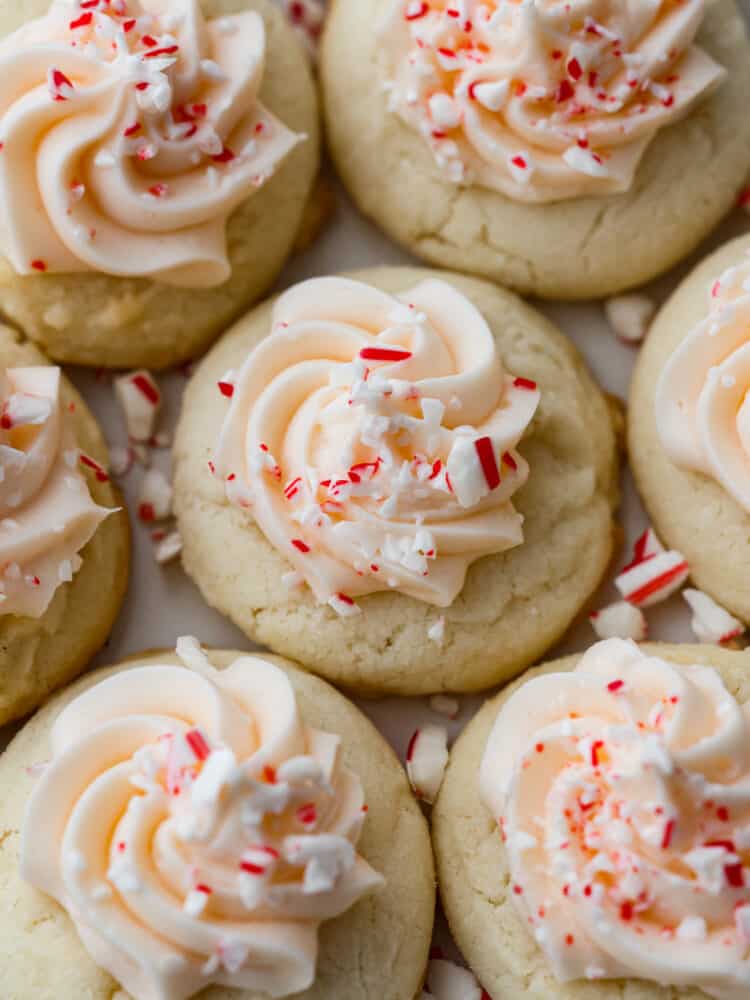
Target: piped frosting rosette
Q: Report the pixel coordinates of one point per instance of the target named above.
(702, 405)
(130, 132)
(622, 790)
(374, 438)
(541, 100)
(195, 829)
(47, 514)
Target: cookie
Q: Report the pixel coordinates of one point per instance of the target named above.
(685, 425)
(461, 173)
(365, 930)
(57, 625)
(448, 588)
(144, 243)
(588, 925)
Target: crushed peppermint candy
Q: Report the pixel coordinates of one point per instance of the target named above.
(426, 761)
(155, 497)
(630, 316)
(653, 574)
(710, 622)
(620, 620)
(448, 981)
(140, 399)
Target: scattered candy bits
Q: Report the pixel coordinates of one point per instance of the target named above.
(426, 761)
(620, 620)
(711, 622)
(155, 497)
(448, 981)
(630, 316)
(445, 705)
(140, 398)
(653, 574)
(167, 547)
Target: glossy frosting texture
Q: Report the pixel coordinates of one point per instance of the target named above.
(373, 438)
(622, 790)
(539, 100)
(702, 409)
(131, 130)
(195, 829)
(47, 514)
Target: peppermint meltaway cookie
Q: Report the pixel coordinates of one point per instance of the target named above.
(205, 825)
(156, 161)
(61, 534)
(593, 829)
(404, 480)
(567, 150)
(689, 424)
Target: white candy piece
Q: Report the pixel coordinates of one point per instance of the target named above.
(426, 761)
(620, 620)
(711, 622)
(448, 981)
(630, 316)
(140, 399)
(120, 460)
(168, 548)
(653, 579)
(443, 704)
(155, 497)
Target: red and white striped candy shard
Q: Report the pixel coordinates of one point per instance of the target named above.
(448, 981)
(155, 497)
(167, 548)
(426, 761)
(711, 622)
(653, 579)
(344, 606)
(140, 398)
(630, 316)
(653, 574)
(620, 620)
(446, 705)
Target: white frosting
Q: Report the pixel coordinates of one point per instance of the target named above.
(702, 409)
(130, 131)
(374, 438)
(622, 790)
(541, 100)
(196, 830)
(47, 514)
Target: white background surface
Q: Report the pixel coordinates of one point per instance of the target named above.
(163, 603)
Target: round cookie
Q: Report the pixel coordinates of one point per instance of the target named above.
(513, 606)
(690, 511)
(100, 320)
(472, 863)
(39, 655)
(378, 949)
(573, 249)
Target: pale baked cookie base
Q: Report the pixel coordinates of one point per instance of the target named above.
(38, 655)
(513, 607)
(575, 249)
(691, 512)
(473, 869)
(376, 951)
(95, 319)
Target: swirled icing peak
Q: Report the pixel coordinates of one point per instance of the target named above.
(195, 829)
(543, 100)
(47, 514)
(622, 790)
(130, 131)
(702, 405)
(374, 437)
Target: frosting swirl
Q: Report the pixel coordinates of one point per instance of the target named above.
(195, 829)
(131, 130)
(374, 437)
(702, 405)
(47, 514)
(623, 793)
(539, 100)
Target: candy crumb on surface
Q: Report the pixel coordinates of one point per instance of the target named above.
(711, 622)
(620, 620)
(448, 981)
(630, 316)
(426, 761)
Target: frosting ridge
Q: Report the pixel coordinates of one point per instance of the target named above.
(195, 829)
(702, 407)
(622, 790)
(47, 514)
(374, 437)
(539, 100)
(131, 130)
